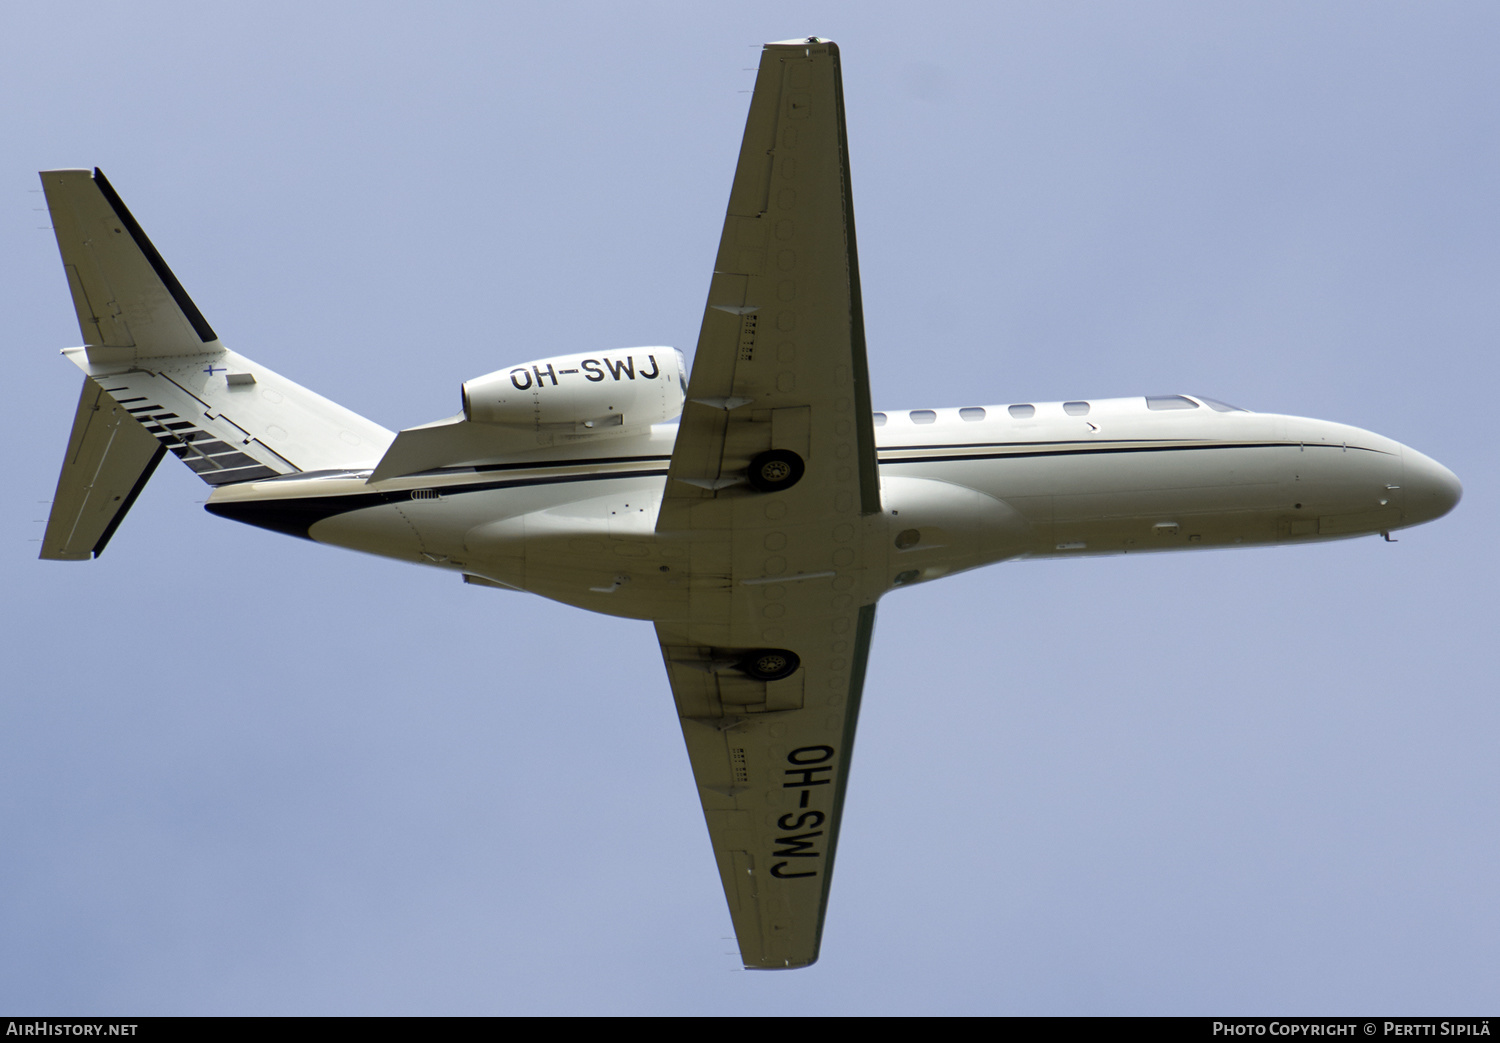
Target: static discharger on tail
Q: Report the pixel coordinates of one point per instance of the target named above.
(757, 532)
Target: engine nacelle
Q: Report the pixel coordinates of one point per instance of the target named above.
(582, 394)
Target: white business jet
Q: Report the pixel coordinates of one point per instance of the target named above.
(757, 532)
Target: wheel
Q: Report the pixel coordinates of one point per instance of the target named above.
(770, 664)
(776, 469)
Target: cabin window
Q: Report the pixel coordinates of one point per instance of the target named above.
(1221, 407)
(923, 416)
(1021, 412)
(1169, 402)
(1076, 408)
(879, 419)
(971, 413)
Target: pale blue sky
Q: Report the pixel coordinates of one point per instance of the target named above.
(247, 774)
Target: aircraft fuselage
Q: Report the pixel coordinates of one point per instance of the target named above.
(959, 488)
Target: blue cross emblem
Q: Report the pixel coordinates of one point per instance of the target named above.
(212, 369)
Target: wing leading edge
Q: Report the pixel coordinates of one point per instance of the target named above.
(774, 492)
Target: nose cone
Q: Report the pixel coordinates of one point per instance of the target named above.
(1431, 490)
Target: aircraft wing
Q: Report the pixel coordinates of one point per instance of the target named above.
(773, 491)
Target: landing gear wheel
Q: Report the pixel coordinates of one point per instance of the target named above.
(776, 469)
(770, 664)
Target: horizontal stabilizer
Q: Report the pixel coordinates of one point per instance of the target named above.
(124, 293)
(232, 420)
(110, 458)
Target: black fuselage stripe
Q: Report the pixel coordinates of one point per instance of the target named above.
(1002, 445)
(516, 483)
(1109, 450)
(295, 515)
(535, 465)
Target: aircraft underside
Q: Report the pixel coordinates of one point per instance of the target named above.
(758, 532)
